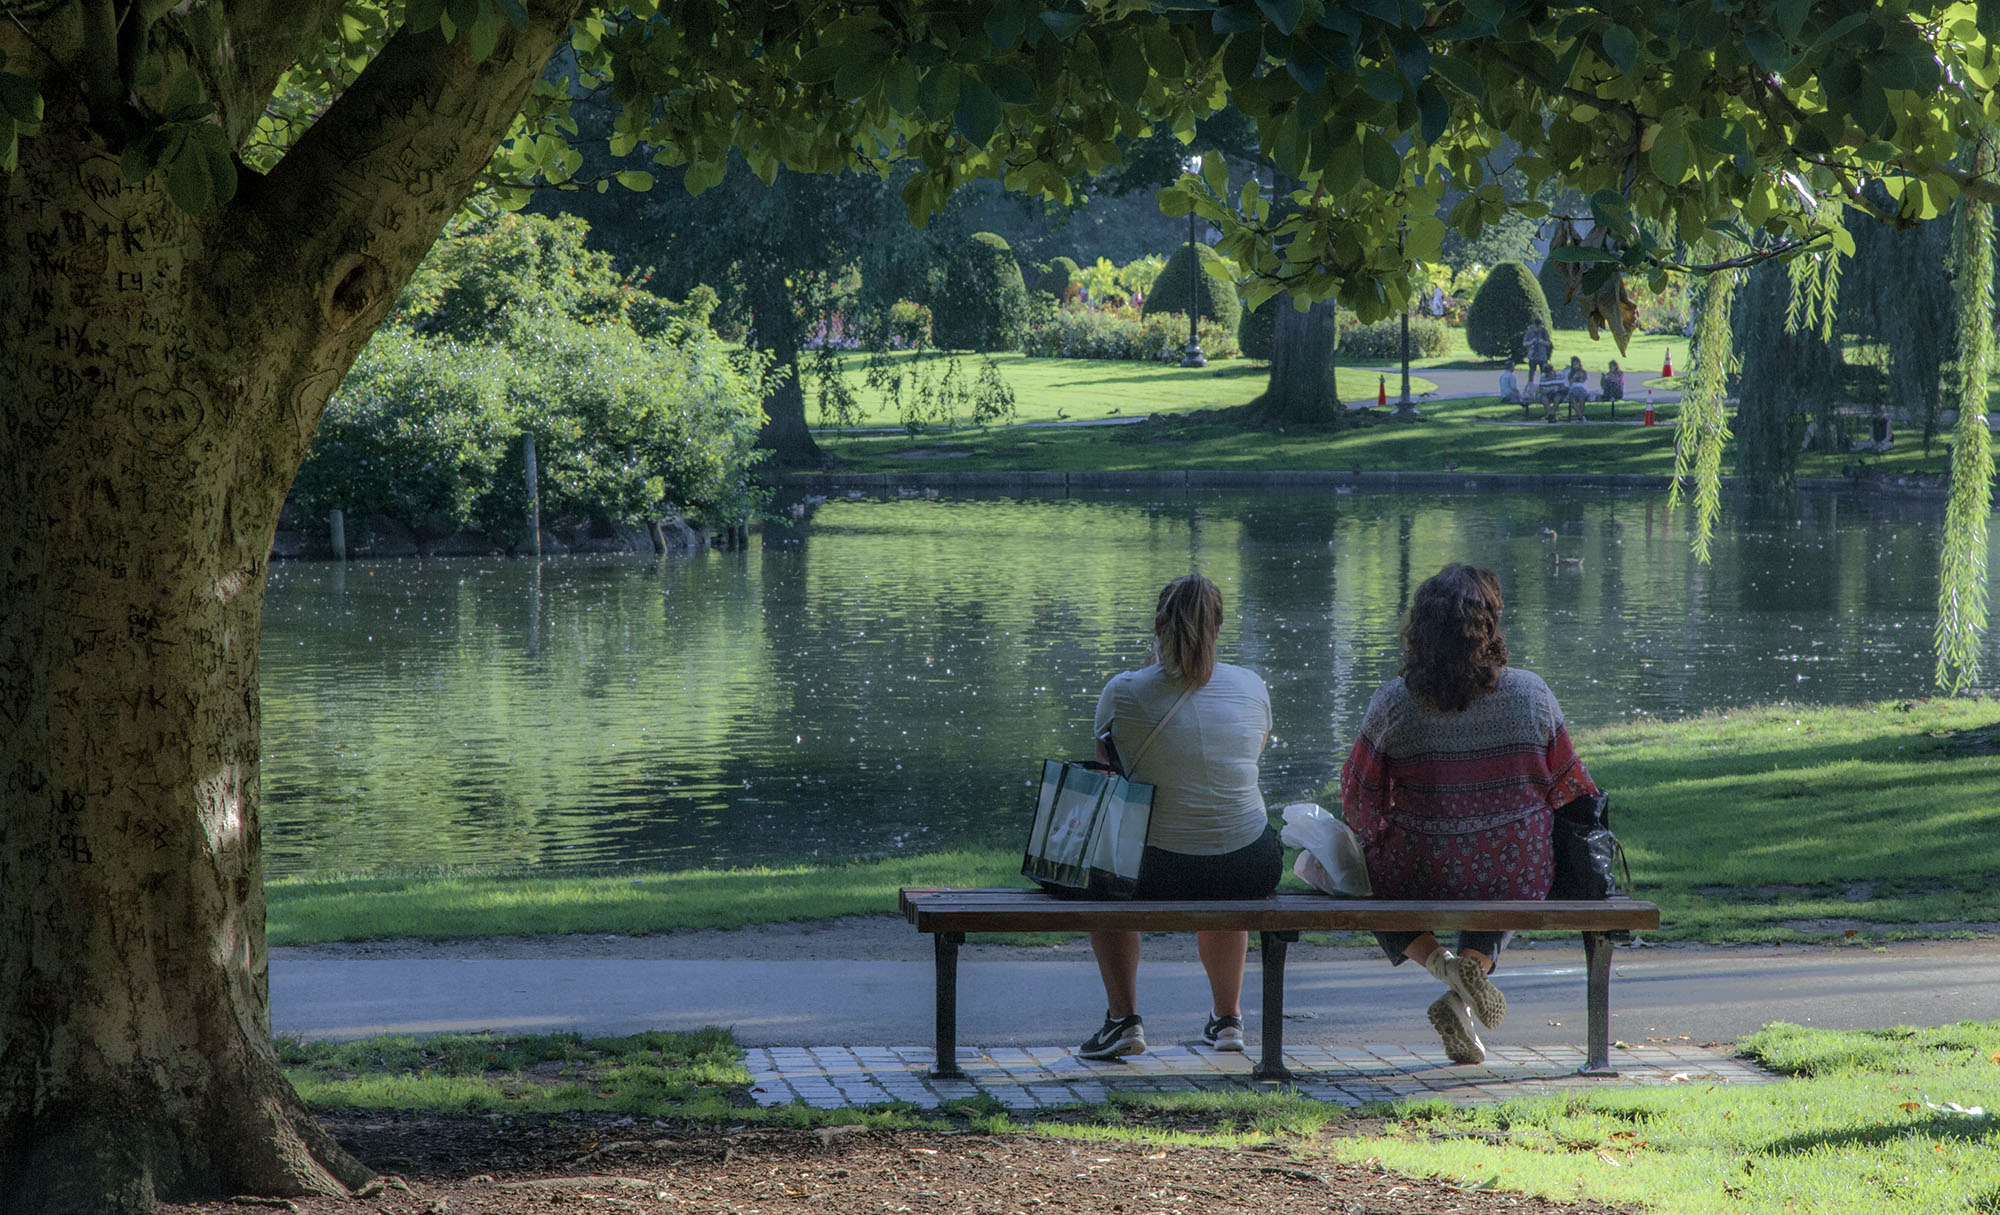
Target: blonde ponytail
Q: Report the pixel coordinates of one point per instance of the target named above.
(1188, 620)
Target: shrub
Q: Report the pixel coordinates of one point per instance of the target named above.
(1059, 277)
(1257, 332)
(623, 424)
(1083, 333)
(909, 325)
(1213, 290)
(1383, 339)
(982, 303)
(1507, 301)
(415, 432)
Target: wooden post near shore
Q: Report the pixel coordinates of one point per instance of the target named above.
(534, 495)
(337, 528)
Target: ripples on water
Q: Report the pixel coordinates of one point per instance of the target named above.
(892, 681)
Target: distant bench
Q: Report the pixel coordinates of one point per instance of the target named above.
(949, 914)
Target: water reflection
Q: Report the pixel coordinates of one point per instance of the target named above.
(892, 684)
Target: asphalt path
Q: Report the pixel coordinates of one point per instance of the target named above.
(1011, 998)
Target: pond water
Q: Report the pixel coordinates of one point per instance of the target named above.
(892, 680)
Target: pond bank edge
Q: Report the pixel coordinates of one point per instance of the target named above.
(1184, 478)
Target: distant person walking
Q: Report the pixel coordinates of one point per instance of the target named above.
(1539, 348)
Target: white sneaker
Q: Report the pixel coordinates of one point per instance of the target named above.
(1224, 1033)
(1453, 1022)
(1467, 979)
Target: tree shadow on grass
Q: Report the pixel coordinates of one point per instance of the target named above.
(1944, 1128)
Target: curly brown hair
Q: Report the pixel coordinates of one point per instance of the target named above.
(1453, 646)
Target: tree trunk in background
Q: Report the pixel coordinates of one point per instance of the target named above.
(1302, 381)
(165, 374)
(776, 330)
(785, 431)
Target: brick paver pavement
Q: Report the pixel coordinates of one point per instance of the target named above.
(1029, 1077)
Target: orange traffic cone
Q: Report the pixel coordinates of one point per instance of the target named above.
(1667, 369)
(1382, 392)
(1649, 407)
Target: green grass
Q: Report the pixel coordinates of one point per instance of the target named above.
(1459, 434)
(690, 1075)
(1790, 823)
(695, 1077)
(1772, 824)
(1450, 432)
(1864, 1123)
(442, 906)
(1191, 435)
(1052, 390)
(1862, 1127)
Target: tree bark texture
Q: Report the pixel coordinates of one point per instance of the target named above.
(165, 374)
(778, 331)
(1302, 382)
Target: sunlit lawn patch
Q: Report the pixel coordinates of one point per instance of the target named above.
(1867, 1126)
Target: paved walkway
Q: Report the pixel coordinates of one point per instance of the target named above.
(834, 1031)
(1031, 1077)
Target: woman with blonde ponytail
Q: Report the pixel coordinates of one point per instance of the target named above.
(1195, 727)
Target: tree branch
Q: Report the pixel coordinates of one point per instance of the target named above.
(327, 239)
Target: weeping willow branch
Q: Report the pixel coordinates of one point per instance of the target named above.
(1704, 425)
(1962, 563)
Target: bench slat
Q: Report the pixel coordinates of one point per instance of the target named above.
(1006, 910)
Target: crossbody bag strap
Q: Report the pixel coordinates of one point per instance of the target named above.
(1132, 769)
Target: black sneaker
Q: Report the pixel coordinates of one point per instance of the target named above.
(1120, 1036)
(1224, 1033)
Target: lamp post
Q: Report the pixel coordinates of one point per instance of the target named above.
(1192, 356)
(1406, 409)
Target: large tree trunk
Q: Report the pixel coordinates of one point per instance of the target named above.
(785, 431)
(164, 377)
(1302, 382)
(779, 332)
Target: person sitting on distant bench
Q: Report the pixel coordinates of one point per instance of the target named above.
(1577, 382)
(1612, 382)
(1510, 387)
(1880, 438)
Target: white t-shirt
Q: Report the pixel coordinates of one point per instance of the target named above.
(1203, 765)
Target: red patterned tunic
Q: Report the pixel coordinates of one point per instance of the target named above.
(1460, 805)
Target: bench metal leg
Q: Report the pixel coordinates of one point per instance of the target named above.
(1597, 1004)
(945, 946)
(1271, 1057)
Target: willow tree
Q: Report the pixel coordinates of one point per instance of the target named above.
(206, 207)
(1962, 566)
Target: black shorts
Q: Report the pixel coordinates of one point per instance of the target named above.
(1250, 872)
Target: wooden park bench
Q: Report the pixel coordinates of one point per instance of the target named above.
(949, 914)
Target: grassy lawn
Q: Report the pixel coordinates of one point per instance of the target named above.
(1867, 1122)
(1773, 824)
(1865, 1126)
(1450, 434)
(1053, 390)
(1477, 435)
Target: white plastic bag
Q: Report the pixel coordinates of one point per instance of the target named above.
(1329, 854)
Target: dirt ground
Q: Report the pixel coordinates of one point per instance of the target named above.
(436, 1165)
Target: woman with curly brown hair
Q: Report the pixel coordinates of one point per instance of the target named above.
(1452, 788)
